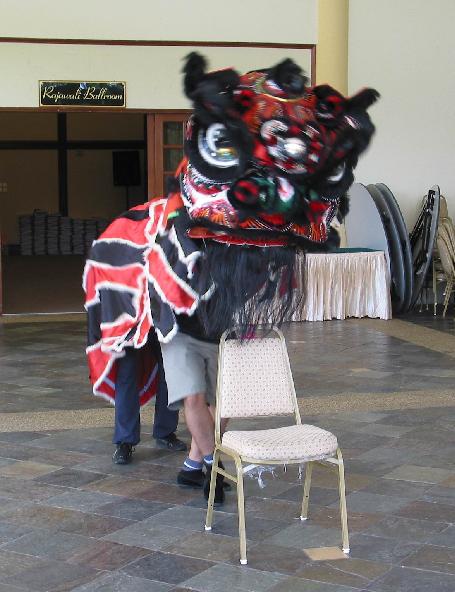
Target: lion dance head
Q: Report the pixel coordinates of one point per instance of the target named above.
(268, 163)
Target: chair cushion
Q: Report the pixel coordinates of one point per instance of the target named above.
(297, 442)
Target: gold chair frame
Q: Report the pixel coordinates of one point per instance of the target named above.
(333, 462)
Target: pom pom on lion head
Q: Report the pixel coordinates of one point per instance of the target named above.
(269, 158)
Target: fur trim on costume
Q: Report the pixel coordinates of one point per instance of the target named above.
(253, 285)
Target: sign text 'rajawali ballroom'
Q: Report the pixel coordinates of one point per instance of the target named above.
(82, 94)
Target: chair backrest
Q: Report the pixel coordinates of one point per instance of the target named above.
(449, 229)
(443, 211)
(254, 378)
(445, 253)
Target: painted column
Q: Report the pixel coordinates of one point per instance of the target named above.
(332, 44)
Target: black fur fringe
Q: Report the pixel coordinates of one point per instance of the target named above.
(253, 286)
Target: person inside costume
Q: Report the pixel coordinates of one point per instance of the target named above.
(127, 424)
(268, 162)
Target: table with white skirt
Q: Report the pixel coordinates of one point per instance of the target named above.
(344, 284)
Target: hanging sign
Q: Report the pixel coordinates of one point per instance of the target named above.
(82, 94)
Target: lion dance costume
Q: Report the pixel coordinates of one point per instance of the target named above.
(268, 163)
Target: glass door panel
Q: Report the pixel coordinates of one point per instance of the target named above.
(167, 152)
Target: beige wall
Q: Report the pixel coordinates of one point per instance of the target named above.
(332, 46)
(406, 50)
(183, 20)
(152, 74)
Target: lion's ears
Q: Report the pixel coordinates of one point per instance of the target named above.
(363, 99)
(212, 93)
(289, 76)
(197, 82)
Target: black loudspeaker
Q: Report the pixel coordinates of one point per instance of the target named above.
(126, 168)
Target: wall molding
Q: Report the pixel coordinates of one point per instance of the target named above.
(157, 43)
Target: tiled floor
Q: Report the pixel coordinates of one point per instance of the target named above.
(71, 520)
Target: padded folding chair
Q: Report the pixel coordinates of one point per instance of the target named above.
(255, 380)
(446, 253)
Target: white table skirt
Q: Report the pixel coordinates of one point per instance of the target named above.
(341, 285)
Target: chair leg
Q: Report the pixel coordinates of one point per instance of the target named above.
(435, 291)
(209, 517)
(306, 491)
(241, 510)
(449, 286)
(343, 510)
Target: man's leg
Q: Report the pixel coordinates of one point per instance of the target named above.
(191, 474)
(200, 423)
(127, 415)
(166, 420)
(185, 369)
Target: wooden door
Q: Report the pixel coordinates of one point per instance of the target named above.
(165, 133)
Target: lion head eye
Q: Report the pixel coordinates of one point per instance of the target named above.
(216, 147)
(337, 174)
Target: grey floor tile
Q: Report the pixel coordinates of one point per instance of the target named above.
(6, 461)
(75, 444)
(12, 564)
(68, 477)
(376, 468)
(364, 416)
(303, 535)
(301, 585)
(428, 511)
(180, 517)
(357, 573)
(50, 545)
(394, 455)
(403, 489)
(21, 437)
(318, 495)
(330, 518)
(142, 534)
(11, 532)
(23, 490)
(440, 494)
(132, 509)
(432, 558)
(11, 588)
(66, 520)
(381, 549)
(406, 529)
(272, 558)
(402, 579)
(206, 545)
(107, 556)
(85, 501)
(445, 538)
(167, 568)
(120, 582)
(386, 430)
(53, 576)
(226, 577)
(256, 530)
(361, 501)
(419, 474)
(273, 486)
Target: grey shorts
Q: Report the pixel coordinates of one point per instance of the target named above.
(191, 367)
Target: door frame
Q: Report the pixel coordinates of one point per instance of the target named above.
(155, 145)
